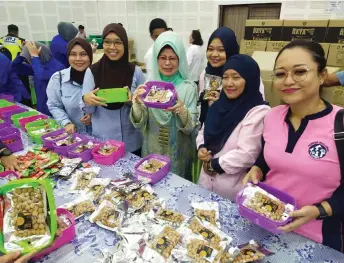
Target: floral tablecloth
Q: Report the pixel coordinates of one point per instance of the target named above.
(91, 241)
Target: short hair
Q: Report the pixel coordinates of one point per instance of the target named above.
(81, 27)
(157, 23)
(12, 28)
(197, 38)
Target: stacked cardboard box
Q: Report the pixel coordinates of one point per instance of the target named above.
(335, 36)
(132, 56)
(314, 30)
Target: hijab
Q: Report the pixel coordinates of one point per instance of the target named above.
(67, 30)
(108, 73)
(78, 76)
(44, 54)
(225, 114)
(230, 44)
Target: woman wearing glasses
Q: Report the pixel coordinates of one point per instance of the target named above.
(111, 121)
(299, 156)
(169, 132)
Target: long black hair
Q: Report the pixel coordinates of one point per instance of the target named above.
(197, 38)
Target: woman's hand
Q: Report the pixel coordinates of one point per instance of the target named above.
(93, 100)
(177, 108)
(255, 175)
(31, 46)
(14, 257)
(70, 128)
(213, 96)
(86, 119)
(10, 163)
(140, 90)
(204, 155)
(130, 95)
(302, 216)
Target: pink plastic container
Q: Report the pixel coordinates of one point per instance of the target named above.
(50, 143)
(4, 177)
(163, 85)
(85, 155)
(12, 134)
(112, 158)
(5, 125)
(9, 108)
(8, 114)
(24, 121)
(66, 236)
(63, 150)
(260, 220)
(7, 97)
(155, 177)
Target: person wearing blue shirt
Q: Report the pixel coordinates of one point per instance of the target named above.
(66, 32)
(36, 60)
(65, 88)
(334, 79)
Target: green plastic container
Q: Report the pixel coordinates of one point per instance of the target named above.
(34, 126)
(15, 118)
(113, 95)
(98, 38)
(5, 103)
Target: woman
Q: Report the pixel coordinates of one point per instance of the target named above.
(300, 156)
(65, 89)
(230, 139)
(169, 132)
(42, 66)
(113, 71)
(66, 32)
(195, 56)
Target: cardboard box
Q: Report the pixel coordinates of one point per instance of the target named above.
(249, 46)
(131, 44)
(275, 46)
(263, 30)
(326, 47)
(335, 32)
(314, 30)
(336, 55)
(266, 62)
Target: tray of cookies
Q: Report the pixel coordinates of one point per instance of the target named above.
(109, 152)
(159, 95)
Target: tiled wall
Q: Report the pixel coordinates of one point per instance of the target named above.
(38, 19)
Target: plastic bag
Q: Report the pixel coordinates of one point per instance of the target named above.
(212, 84)
(96, 187)
(158, 95)
(207, 211)
(82, 178)
(68, 141)
(248, 252)
(80, 206)
(69, 165)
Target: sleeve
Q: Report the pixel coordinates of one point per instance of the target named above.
(54, 103)
(139, 79)
(200, 138)
(340, 76)
(21, 68)
(336, 202)
(261, 163)
(189, 55)
(142, 123)
(87, 87)
(248, 145)
(201, 82)
(42, 72)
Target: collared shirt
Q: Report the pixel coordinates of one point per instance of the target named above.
(195, 56)
(340, 76)
(82, 35)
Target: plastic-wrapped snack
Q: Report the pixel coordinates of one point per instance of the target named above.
(68, 141)
(165, 241)
(83, 177)
(266, 204)
(212, 84)
(69, 165)
(43, 131)
(201, 252)
(106, 216)
(248, 252)
(56, 137)
(207, 211)
(128, 183)
(107, 149)
(170, 216)
(138, 199)
(96, 187)
(158, 95)
(113, 195)
(84, 147)
(151, 166)
(80, 206)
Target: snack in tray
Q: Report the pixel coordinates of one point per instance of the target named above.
(250, 252)
(201, 252)
(151, 166)
(84, 147)
(68, 141)
(166, 241)
(213, 84)
(64, 222)
(43, 131)
(209, 235)
(9, 141)
(159, 95)
(169, 215)
(106, 215)
(56, 137)
(107, 149)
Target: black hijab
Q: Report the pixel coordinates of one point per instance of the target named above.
(225, 114)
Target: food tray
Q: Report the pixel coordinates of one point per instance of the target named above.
(8, 108)
(31, 127)
(155, 177)
(15, 118)
(85, 155)
(49, 143)
(260, 220)
(63, 150)
(26, 120)
(7, 97)
(65, 237)
(12, 134)
(8, 114)
(164, 85)
(112, 158)
(4, 174)
(5, 103)
(113, 95)
(5, 125)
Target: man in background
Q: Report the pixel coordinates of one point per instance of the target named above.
(82, 33)
(12, 41)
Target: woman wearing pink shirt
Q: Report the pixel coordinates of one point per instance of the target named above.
(300, 155)
(230, 139)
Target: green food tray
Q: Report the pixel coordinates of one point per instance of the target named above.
(38, 138)
(113, 95)
(5, 103)
(39, 124)
(15, 118)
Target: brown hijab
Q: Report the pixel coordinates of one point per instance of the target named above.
(78, 76)
(114, 74)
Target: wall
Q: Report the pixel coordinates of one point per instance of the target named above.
(38, 19)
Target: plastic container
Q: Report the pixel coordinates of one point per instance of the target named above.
(39, 124)
(85, 155)
(50, 143)
(6, 109)
(113, 95)
(7, 97)
(260, 220)
(26, 120)
(8, 114)
(64, 238)
(163, 85)
(63, 150)
(5, 125)
(155, 177)
(15, 118)
(5, 103)
(12, 134)
(4, 179)
(112, 158)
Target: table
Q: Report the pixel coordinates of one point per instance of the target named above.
(91, 240)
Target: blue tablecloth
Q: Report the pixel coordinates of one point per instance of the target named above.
(91, 240)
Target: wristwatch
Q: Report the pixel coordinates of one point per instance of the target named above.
(5, 152)
(323, 214)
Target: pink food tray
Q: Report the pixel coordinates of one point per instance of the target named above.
(9, 134)
(7, 97)
(26, 120)
(63, 150)
(112, 158)
(85, 155)
(9, 108)
(162, 85)
(50, 143)
(155, 177)
(8, 114)
(66, 236)
(260, 220)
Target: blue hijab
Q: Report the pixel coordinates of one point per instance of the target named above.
(230, 44)
(225, 114)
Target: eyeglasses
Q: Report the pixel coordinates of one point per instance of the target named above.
(172, 60)
(297, 74)
(117, 42)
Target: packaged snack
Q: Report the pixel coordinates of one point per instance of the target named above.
(69, 165)
(29, 215)
(207, 211)
(212, 84)
(166, 241)
(84, 147)
(138, 199)
(56, 137)
(42, 131)
(206, 230)
(96, 187)
(68, 141)
(170, 216)
(107, 149)
(249, 252)
(80, 206)
(151, 166)
(82, 178)
(158, 95)
(107, 216)
(202, 252)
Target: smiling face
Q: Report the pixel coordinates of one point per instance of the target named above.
(216, 53)
(78, 58)
(296, 76)
(168, 62)
(233, 84)
(113, 46)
